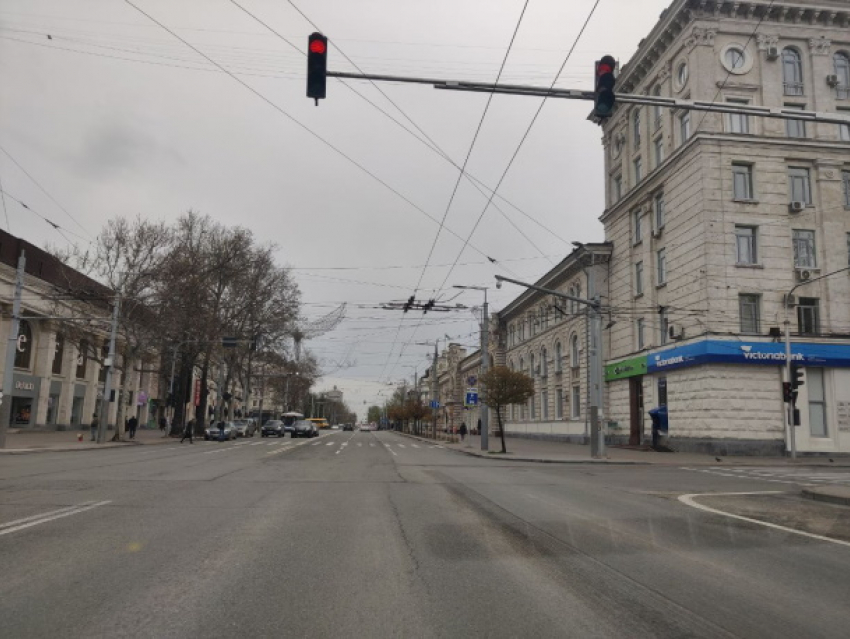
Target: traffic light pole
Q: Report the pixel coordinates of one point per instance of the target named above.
(626, 98)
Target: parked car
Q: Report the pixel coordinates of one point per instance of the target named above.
(245, 427)
(366, 427)
(214, 431)
(272, 428)
(304, 428)
(348, 427)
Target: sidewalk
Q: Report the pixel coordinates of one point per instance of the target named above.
(554, 452)
(20, 441)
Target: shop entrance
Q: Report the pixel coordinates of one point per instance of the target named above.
(635, 410)
(22, 411)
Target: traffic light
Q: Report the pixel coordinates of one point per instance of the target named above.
(317, 66)
(796, 376)
(409, 303)
(603, 98)
(789, 395)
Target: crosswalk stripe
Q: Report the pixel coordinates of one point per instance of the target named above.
(415, 445)
(359, 444)
(317, 443)
(330, 444)
(400, 445)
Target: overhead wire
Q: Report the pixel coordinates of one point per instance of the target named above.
(53, 224)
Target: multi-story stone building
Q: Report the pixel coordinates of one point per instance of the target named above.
(715, 218)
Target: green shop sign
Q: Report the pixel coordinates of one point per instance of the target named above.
(626, 368)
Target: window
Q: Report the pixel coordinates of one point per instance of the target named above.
(639, 278)
(848, 249)
(617, 188)
(638, 164)
(799, 185)
(575, 403)
(748, 307)
(738, 122)
(742, 181)
(808, 316)
(82, 359)
(641, 334)
(637, 217)
(817, 402)
(544, 365)
(745, 245)
(659, 211)
(663, 326)
(656, 110)
(661, 265)
(532, 407)
(575, 362)
(636, 128)
(682, 74)
(734, 58)
(841, 62)
(558, 355)
(531, 365)
(804, 249)
(845, 178)
(544, 404)
(23, 347)
(795, 128)
(659, 151)
(684, 127)
(58, 354)
(792, 72)
(559, 404)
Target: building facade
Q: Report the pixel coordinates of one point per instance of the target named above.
(715, 218)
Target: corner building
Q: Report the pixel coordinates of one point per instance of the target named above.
(714, 218)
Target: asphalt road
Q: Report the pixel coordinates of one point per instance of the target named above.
(378, 535)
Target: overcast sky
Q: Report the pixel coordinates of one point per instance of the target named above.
(112, 115)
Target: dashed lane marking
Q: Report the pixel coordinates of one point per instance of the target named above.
(43, 518)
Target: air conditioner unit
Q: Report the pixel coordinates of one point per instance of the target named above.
(789, 300)
(656, 233)
(804, 274)
(773, 53)
(676, 332)
(796, 206)
(832, 80)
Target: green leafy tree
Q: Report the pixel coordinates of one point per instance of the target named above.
(504, 387)
(373, 414)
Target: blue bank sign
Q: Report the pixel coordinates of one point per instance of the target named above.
(759, 353)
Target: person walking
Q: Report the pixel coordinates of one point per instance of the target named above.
(462, 431)
(132, 425)
(189, 431)
(94, 425)
(163, 425)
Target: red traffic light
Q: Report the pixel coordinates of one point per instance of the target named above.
(318, 46)
(317, 66)
(603, 68)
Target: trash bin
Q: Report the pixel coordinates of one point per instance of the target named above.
(659, 423)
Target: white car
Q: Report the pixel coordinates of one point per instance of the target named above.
(366, 427)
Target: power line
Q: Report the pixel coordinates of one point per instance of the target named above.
(56, 227)
(304, 127)
(3, 197)
(43, 190)
(522, 140)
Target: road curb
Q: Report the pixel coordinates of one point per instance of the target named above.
(839, 495)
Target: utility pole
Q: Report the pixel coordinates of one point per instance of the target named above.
(434, 389)
(597, 434)
(110, 367)
(11, 351)
(485, 365)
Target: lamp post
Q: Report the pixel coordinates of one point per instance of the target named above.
(485, 364)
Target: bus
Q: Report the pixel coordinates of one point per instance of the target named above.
(289, 419)
(320, 422)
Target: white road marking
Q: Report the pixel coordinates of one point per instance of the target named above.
(10, 527)
(329, 444)
(359, 444)
(371, 444)
(273, 444)
(400, 445)
(689, 501)
(415, 445)
(316, 443)
(257, 444)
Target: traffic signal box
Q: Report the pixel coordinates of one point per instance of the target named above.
(604, 98)
(317, 66)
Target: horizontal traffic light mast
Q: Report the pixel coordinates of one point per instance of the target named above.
(627, 98)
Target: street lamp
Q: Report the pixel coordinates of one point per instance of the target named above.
(485, 363)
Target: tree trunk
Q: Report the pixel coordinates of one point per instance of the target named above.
(201, 410)
(501, 428)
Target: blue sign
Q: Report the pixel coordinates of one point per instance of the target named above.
(758, 353)
(434, 403)
(471, 399)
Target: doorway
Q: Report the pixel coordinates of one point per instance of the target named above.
(635, 411)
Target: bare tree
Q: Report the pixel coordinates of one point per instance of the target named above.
(504, 387)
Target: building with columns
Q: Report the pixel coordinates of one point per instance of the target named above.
(714, 218)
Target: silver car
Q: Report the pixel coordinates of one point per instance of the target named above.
(245, 427)
(214, 431)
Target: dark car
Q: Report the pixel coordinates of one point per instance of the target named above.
(304, 428)
(348, 427)
(272, 428)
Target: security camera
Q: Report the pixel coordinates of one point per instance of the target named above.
(498, 283)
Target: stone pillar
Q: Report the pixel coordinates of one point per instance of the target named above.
(42, 364)
(68, 374)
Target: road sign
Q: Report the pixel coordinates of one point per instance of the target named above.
(471, 380)
(472, 398)
(434, 403)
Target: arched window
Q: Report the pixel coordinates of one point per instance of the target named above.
(792, 71)
(558, 354)
(574, 352)
(544, 366)
(636, 128)
(23, 347)
(842, 70)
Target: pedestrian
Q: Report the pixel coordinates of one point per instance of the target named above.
(163, 425)
(189, 431)
(462, 431)
(133, 424)
(94, 425)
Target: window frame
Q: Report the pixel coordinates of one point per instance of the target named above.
(640, 328)
(637, 226)
(575, 352)
(845, 179)
(753, 302)
(751, 241)
(661, 266)
(842, 72)
(808, 306)
(796, 129)
(663, 326)
(637, 167)
(742, 119)
(658, 151)
(792, 61)
(636, 132)
(810, 240)
(659, 212)
(684, 127)
(575, 402)
(800, 173)
(745, 170)
(639, 278)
